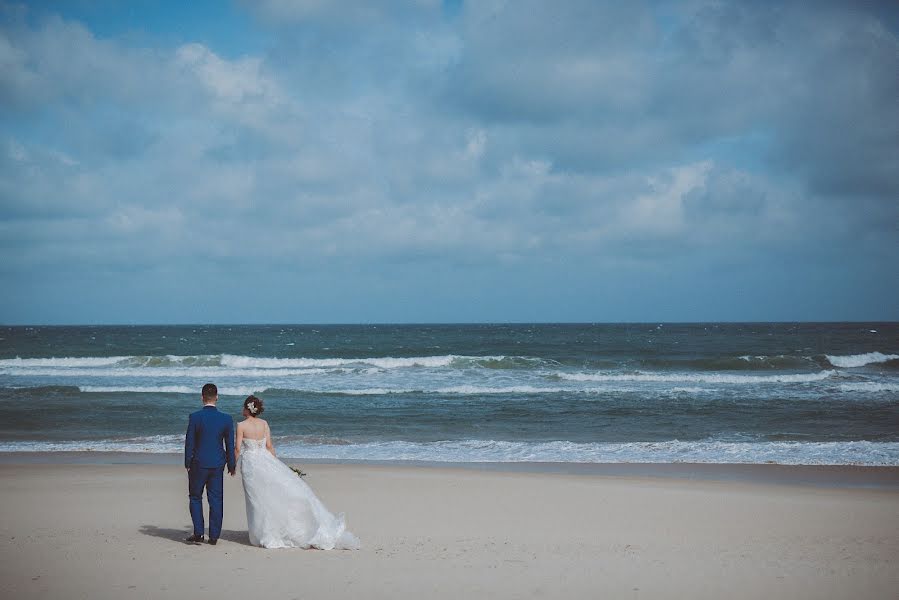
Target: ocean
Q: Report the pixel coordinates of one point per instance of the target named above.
(788, 393)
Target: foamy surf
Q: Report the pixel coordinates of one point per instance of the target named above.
(63, 362)
(860, 360)
(716, 378)
(386, 388)
(461, 390)
(863, 453)
(225, 363)
(167, 389)
(651, 388)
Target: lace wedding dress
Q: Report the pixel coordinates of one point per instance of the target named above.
(282, 510)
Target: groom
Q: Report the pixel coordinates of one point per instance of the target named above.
(208, 446)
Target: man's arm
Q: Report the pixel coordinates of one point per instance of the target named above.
(189, 442)
(229, 446)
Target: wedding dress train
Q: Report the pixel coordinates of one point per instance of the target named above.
(282, 510)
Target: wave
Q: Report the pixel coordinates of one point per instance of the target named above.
(154, 444)
(387, 362)
(218, 365)
(512, 389)
(733, 363)
(262, 390)
(869, 386)
(698, 378)
(473, 451)
(165, 389)
(182, 372)
(169, 360)
(100, 361)
(350, 392)
(672, 451)
(462, 390)
(45, 389)
(860, 360)
(233, 361)
(244, 363)
(530, 389)
(609, 387)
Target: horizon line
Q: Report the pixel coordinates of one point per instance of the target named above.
(442, 323)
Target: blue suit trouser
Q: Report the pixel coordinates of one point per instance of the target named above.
(214, 482)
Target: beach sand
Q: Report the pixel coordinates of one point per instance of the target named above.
(114, 531)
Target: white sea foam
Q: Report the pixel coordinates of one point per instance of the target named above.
(261, 386)
(532, 389)
(244, 363)
(169, 389)
(64, 362)
(860, 360)
(382, 362)
(155, 444)
(717, 378)
(512, 389)
(362, 391)
(378, 391)
(707, 451)
(671, 451)
(175, 372)
(462, 390)
(869, 386)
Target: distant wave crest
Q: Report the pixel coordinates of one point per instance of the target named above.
(860, 360)
(255, 362)
(223, 363)
(698, 377)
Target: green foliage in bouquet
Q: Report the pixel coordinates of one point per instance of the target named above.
(297, 471)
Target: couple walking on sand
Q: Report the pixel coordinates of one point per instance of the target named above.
(282, 510)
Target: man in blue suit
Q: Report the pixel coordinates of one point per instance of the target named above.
(208, 447)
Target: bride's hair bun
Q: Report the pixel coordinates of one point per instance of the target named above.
(253, 405)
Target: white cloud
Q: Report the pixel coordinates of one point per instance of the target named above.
(240, 90)
(508, 136)
(660, 211)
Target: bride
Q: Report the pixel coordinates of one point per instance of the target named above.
(282, 510)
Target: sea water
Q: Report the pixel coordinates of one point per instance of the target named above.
(789, 393)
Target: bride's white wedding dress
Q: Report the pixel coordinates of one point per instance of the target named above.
(282, 510)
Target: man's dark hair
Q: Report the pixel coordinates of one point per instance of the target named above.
(210, 391)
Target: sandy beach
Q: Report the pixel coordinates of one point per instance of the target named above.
(115, 531)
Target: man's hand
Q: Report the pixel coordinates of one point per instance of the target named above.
(231, 472)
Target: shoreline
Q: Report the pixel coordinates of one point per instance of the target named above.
(822, 476)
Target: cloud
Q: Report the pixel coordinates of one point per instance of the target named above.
(349, 12)
(515, 140)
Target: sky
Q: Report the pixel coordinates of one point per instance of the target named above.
(306, 161)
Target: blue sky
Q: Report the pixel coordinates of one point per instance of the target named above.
(423, 161)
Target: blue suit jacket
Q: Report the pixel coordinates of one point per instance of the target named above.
(209, 442)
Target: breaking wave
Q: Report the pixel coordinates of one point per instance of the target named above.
(165, 389)
(860, 360)
(869, 386)
(472, 451)
(717, 378)
(244, 363)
